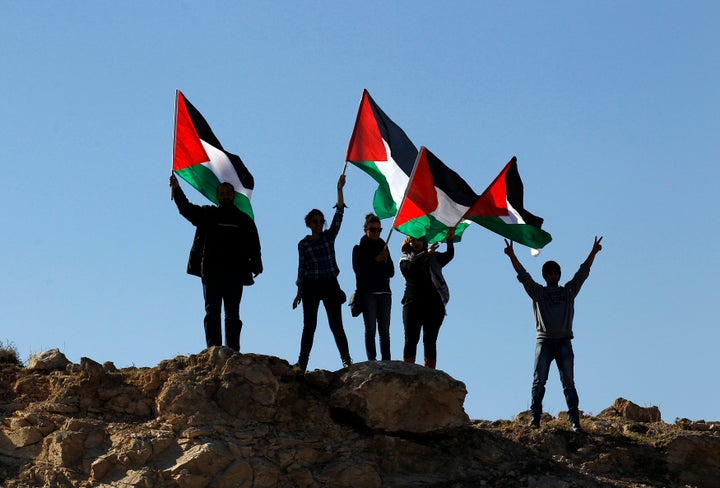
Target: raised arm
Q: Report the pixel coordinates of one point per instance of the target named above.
(192, 212)
(513, 258)
(340, 198)
(449, 253)
(597, 247)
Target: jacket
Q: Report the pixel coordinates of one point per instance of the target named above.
(226, 240)
(371, 276)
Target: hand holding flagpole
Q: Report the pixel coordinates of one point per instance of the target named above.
(450, 235)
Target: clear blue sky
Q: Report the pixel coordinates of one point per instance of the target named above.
(612, 109)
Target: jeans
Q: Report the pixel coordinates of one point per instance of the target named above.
(326, 291)
(376, 315)
(561, 351)
(426, 315)
(224, 289)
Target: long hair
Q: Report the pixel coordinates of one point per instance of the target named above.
(407, 248)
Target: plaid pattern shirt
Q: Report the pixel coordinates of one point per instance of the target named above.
(317, 257)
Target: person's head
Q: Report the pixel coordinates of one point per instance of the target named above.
(372, 226)
(315, 221)
(225, 194)
(411, 244)
(551, 273)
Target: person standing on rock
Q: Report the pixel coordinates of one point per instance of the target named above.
(317, 280)
(554, 308)
(373, 270)
(225, 254)
(426, 295)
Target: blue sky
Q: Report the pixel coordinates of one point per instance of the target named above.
(610, 107)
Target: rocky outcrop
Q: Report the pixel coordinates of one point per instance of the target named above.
(629, 410)
(223, 419)
(48, 361)
(396, 397)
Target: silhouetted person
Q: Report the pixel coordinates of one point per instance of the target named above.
(554, 307)
(373, 270)
(426, 295)
(225, 254)
(317, 280)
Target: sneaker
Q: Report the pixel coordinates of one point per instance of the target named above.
(298, 369)
(534, 423)
(347, 362)
(575, 426)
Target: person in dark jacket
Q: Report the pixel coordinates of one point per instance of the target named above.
(554, 309)
(225, 254)
(426, 295)
(373, 270)
(317, 281)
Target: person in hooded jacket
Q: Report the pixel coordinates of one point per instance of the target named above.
(226, 256)
(373, 270)
(426, 295)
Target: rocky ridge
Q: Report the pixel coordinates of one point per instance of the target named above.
(223, 419)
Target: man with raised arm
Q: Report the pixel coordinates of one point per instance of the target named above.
(554, 308)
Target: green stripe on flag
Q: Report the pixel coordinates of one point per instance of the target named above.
(383, 203)
(427, 225)
(528, 235)
(204, 180)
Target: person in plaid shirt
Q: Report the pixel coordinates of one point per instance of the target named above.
(317, 280)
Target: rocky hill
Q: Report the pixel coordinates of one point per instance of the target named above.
(223, 419)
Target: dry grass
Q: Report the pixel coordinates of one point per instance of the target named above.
(9, 354)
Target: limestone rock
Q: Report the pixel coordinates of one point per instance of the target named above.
(629, 410)
(49, 360)
(392, 396)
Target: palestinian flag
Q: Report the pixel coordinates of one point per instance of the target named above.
(437, 200)
(381, 149)
(515, 223)
(200, 159)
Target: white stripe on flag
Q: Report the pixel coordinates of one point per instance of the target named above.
(448, 211)
(223, 169)
(513, 216)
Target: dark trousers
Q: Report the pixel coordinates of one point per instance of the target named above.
(561, 351)
(376, 316)
(313, 292)
(426, 316)
(222, 290)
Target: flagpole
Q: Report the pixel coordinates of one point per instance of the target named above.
(345, 167)
(174, 136)
(407, 188)
(387, 240)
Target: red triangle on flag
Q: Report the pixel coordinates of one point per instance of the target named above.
(366, 143)
(421, 195)
(493, 201)
(188, 148)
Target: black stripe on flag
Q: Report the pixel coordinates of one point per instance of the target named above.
(403, 150)
(206, 134)
(515, 196)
